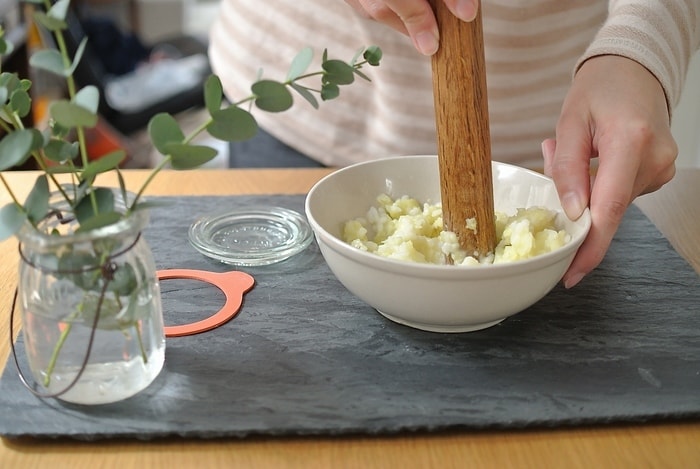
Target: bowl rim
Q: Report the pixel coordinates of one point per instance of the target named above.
(482, 271)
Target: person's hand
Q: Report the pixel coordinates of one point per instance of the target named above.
(616, 111)
(414, 18)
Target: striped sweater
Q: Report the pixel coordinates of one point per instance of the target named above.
(532, 48)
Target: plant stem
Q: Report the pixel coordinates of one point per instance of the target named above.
(59, 345)
(153, 174)
(142, 347)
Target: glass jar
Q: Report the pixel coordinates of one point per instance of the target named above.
(91, 312)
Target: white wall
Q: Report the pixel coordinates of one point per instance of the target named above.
(686, 119)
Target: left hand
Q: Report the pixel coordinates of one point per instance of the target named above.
(616, 111)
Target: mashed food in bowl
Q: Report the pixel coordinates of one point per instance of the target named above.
(405, 229)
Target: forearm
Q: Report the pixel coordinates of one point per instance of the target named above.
(661, 35)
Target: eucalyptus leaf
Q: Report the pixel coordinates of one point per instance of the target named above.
(184, 156)
(20, 102)
(78, 56)
(37, 203)
(10, 81)
(88, 98)
(15, 147)
(70, 114)
(124, 280)
(164, 130)
(213, 94)
(104, 201)
(11, 220)
(362, 75)
(306, 94)
(232, 124)
(103, 164)
(48, 21)
(80, 268)
(329, 91)
(272, 96)
(300, 63)
(3, 95)
(59, 10)
(338, 72)
(99, 221)
(357, 55)
(373, 55)
(4, 46)
(60, 150)
(49, 60)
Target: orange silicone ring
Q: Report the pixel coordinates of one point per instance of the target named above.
(232, 284)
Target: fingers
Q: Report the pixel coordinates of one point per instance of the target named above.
(414, 18)
(569, 164)
(612, 192)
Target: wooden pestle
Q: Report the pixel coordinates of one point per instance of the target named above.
(462, 120)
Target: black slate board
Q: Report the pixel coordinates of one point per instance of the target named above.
(304, 356)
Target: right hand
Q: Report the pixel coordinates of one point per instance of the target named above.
(414, 18)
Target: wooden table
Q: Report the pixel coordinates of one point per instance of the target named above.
(674, 209)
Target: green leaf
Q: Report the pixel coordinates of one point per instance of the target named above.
(59, 10)
(124, 280)
(70, 114)
(5, 47)
(49, 60)
(21, 103)
(164, 130)
(373, 55)
(357, 55)
(78, 56)
(306, 94)
(48, 21)
(338, 72)
(15, 148)
(80, 268)
(11, 220)
(189, 156)
(232, 124)
(88, 98)
(60, 150)
(3, 95)
(84, 211)
(103, 164)
(300, 63)
(272, 96)
(213, 94)
(362, 75)
(10, 81)
(37, 203)
(329, 91)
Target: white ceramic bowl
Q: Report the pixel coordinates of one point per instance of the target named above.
(441, 298)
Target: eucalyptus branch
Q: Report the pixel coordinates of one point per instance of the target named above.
(94, 206)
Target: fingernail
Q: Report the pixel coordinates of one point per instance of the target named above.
(466, 10)
(427, 42)
(572, 205)
(572, 280)
(546, 149)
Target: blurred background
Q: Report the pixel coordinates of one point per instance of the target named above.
(148, 31)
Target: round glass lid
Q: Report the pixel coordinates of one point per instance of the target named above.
(251, 236)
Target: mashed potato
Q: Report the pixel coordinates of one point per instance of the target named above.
(406, 230)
